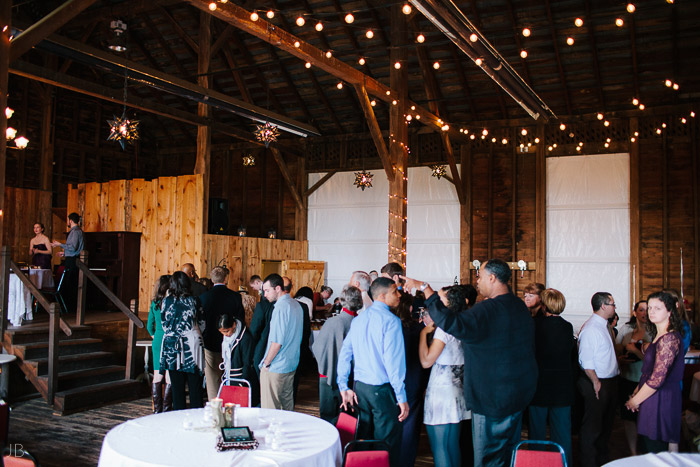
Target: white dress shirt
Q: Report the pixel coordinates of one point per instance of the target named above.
(595, 348)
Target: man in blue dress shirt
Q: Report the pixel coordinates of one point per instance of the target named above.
(280, 362)
(375, 344)
(71, 252)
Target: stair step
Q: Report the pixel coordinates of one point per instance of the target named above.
(65, 347)
(36, 334)
(73, 362)
(81, 378)
(97, 395)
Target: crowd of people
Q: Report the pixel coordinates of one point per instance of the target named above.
(401, 355)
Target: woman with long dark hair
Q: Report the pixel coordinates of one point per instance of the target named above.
(182, 354)
(445, 406)
(658, 395)
(162, 398)
(40, 248)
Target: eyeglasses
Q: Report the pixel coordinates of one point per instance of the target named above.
(612, 305)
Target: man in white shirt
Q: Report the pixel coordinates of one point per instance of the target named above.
(596, 355)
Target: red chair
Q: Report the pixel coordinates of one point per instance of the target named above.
(18, 458)
(238, 393)
(545, 454)
(347, 428)
(367, 455)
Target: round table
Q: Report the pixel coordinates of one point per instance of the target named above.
(161, 439)
(663, 459)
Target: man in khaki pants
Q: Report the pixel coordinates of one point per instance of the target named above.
(281, 358)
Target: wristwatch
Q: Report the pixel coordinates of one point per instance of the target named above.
(424, 286)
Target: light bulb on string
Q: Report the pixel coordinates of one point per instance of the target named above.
(270, 14)
(599, 116)
(675, 86)
(329, 54)
(526, 32)
(537, 141)
(301, 21)
(668, 83)
(319, 26)
(523, 53)
(307, 65)
(397, 65)
(361, 61)
(631, 8)
(478, 61)
(578, 22)
(297, 44)
(369, 34)
(406, 9)
(254, 16)
(562, 127)
(635, 101)
(373, 103)
(436, 65)
(606, 123)
(420, 38)
(641, 106)
(212, 6)
(473, 37)
(619, 22)
(339, 85)
(570, 40)
(349, 18)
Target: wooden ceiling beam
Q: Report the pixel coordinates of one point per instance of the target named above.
(319, 183)
(128, 9)
(222, 39)
(560, 68)
(633, 51)
(452, 162)
(240, 18)
(164, 45)
(46, 26)
(180, 32)
(463, 80)
(86, 35)
(594, 55)
(376, 131)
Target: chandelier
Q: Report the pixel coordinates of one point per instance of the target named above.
(439, 171)
(123, 129)
(363, 179)
(266, 133)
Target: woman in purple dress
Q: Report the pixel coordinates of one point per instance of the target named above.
(658, 396)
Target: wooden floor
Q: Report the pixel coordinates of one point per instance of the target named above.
(76, 439)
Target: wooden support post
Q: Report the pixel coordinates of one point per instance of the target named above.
(4, 287)
(301, 212)
(635, 226)
(398, 187)
(54, 323)
(541, 208)
(203, 161)
(465, 218)
(5, 19)
(47, 146)
(287, 177)
(131, 344)
(82, 292)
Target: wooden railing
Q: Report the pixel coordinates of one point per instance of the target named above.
(84, 274)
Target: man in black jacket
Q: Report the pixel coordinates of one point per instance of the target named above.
(500, 371)
(260, 328)
(216, 302)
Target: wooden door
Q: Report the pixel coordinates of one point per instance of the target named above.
(304, 273)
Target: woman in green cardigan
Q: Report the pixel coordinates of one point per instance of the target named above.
(161, 402)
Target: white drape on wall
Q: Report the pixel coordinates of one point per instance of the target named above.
(348, 227)
(588, 231)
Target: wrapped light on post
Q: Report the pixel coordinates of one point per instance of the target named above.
(9, 112)
(266, 133)
(10, 133)
(363, 179)
(249, 160)
(439, 171)
(21, 142)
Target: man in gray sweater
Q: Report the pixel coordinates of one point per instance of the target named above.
(326, 348)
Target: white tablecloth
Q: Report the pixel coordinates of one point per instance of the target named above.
(19, 303)
(692, 356)
(664, 459)
(161, 439)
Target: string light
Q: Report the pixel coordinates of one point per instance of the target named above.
(526, 32)
(635, 101)
(570, 40)
(10, 133)
(369, 34)
(675, 86)
(9, 112)
(349, 18)
(493, 140)
(212, 6)
(339, 85)
(436, 65)
(668, 83)
(420, 38)
(692, 114)
(683, 120)
(523, 132)
(478, 61)
(473, 37)
(630, 8)
(409, 118)
(633, 139)
(361, 61)
(297, 44)
(319, 26)
(329, 54)
(504, 141)
(523, 53)
(301, 21)
(619, 23)
(373, 103)
(254, 16)
(537, 141)
(485, 132)
(22, 142)
(562, 127)
(578, 22)
(606, 123)
(641, 106)
(599, 116)
(397, 65)
(445, 127)
(472, 136)
(307, 65)
(406, 9)
(394, 102)
(270, 14)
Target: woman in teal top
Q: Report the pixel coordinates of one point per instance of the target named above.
(161, 402)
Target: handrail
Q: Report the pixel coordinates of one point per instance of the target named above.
(36, 293)
(109, 294)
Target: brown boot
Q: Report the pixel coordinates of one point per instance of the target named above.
(168, 398)
(157, 396)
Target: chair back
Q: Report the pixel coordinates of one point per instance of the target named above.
(239, 393)
(541, 454)
(366, 453)
(4, 422)
(347, 428)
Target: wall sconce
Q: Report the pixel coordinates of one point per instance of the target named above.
(272, 234)
(241, 231)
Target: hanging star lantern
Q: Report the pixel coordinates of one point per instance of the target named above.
(439, 171)
(266, 133)
(249, 161)
(123, 130)
(363, 180)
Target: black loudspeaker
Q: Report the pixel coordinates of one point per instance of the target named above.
(218, 216)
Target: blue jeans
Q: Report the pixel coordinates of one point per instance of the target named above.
(559, 426)
(495, 439)
(444, 442)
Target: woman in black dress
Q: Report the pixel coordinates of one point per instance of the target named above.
(40, 248)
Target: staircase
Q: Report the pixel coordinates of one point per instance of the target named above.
(87, 376)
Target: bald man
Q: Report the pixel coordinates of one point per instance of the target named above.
(197, 288)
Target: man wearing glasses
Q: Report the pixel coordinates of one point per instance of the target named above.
(596, 355)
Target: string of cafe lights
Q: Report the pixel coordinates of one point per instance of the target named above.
(317, 20)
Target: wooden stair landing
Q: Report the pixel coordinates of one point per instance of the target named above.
(88, 377)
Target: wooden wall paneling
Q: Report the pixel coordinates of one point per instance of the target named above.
(525, 213)
(514, 204)
(150, 269)
(635, 272)
(650, 215)
(93, 207)
(680, 218)
(24, 208)
(465, 217)
(696, 215)
(179, 224)
(196, 191)
(116, 206)
(502, 205)
(664, 211)
(480, 206)
(137, 206)
(173, 255)
(541, 208)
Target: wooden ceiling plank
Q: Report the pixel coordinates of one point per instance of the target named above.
(129, 9)
(376, 131)
(633, 51)
(86, 35)
(463, 80)
(526, 71)
(555, 44)
(180, 32)
(164, 45)
(222, 39)
(378, 23)
(324, 99)
(291, 186)
(240, 82)
(46, 26)
(594, 55)
(432, 90)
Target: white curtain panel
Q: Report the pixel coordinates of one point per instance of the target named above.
(348, 227)
(588, 232)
